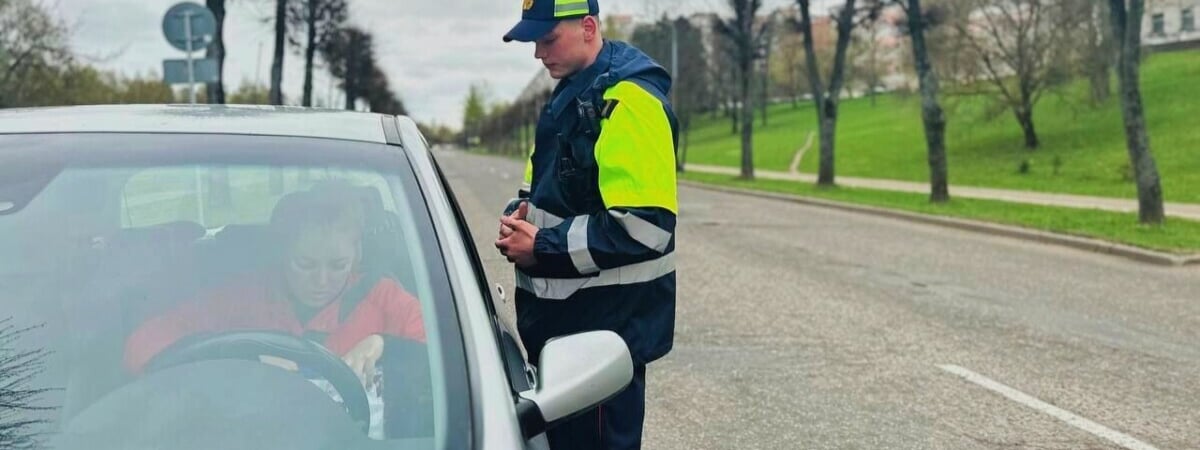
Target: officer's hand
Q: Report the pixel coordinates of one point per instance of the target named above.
(518, 245)
(522, 211)
(519, 214)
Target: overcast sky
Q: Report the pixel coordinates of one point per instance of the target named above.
(431, 49)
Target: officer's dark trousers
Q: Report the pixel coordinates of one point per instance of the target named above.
(616, 424)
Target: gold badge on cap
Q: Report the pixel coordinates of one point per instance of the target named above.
(527, 5)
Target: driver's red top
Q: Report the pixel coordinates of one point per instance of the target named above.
(253, 304)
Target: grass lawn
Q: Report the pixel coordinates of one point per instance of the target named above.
(1177, 236)
(887, 140)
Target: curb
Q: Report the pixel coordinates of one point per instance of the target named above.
(1080, 243)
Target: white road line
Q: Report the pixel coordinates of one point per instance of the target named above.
(1070, 418)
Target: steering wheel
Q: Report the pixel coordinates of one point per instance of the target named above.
(249, 345)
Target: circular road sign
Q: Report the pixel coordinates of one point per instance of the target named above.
(203, 25)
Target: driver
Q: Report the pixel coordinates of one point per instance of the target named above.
(318, 238)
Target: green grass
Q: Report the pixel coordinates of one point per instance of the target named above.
(887, 140)
(1176, 236)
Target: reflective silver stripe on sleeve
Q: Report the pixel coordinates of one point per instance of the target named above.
(577, 246)
(644, 232)
(541, 218)
(562, 288)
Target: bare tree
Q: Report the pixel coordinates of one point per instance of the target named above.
(32, 43)
(826, 101)
(725, 74)
(1020, 48)
(277, 60)
(380, 96)
(785, 67)
(870, 47)
(19, 409)
(766, 49)
(318, 21)
(216, 51)
(1092, 39)
(745, 39)
(351, 56)
(1127, 29)
(931, 111)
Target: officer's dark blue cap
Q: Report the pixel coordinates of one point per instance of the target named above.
(540, 16)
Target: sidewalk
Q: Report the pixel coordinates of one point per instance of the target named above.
(1178, 210)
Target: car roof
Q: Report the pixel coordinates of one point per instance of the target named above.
(203, 119)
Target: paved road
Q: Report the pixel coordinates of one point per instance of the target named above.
(1189, 211)
(802, 327)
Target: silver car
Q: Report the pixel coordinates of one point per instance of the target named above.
(149, 300)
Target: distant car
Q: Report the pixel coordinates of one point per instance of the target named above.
(111, 215)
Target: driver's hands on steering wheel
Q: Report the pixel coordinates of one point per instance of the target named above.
(362, 358)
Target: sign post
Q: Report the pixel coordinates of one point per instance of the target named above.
(189, 26)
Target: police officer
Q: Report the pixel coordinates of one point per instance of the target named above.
(592, 233)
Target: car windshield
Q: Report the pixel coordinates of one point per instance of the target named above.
(286, 292)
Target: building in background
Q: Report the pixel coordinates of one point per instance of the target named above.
(1171, 24)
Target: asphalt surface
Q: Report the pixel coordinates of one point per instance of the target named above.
(804, 327)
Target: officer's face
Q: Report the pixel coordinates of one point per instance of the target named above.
(566, 49)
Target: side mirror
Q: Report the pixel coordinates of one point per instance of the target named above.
(575, 373)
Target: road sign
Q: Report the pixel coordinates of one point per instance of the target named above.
(189, 27)
(175, 71)
(181, 17)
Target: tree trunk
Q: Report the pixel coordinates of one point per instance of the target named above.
(873, 70)
(826, 103)
(765, 91)
(827, 113)
(734, 117)
(1127, 30)
(276, 96)
(794, 85)
(216, 51)
(747, 116)
(824, 172)
(310, 50)
(683, 145)
(351, 72)
(931, 111)
(762, 107)
(1102, 52)
(1024, 116)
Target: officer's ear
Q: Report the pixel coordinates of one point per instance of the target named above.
(591, 28)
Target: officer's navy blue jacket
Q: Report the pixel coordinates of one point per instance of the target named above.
(601, 186)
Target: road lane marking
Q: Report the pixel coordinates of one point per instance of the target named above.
(1070, 418)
